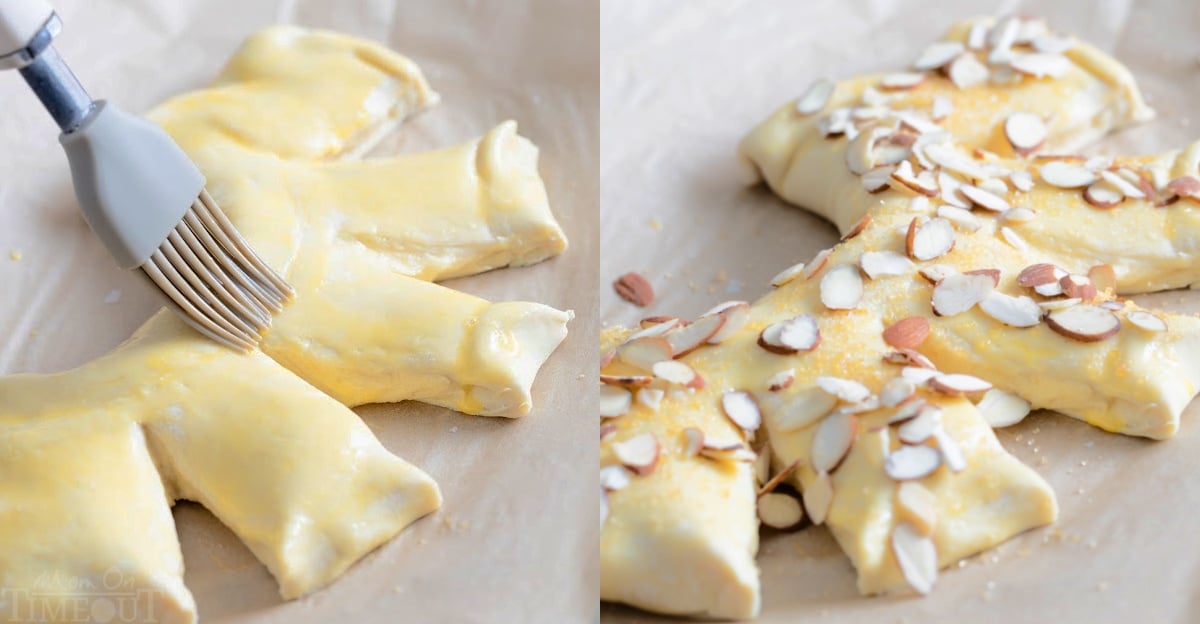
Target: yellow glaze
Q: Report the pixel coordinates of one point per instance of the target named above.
(1135, 383)
(92, 459)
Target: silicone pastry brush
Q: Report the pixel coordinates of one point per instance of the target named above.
(143, 196)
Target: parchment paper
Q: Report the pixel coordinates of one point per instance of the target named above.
(520, 518)
(684, 81)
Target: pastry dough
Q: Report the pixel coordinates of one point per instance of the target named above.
(93, 458)
(1136, 382)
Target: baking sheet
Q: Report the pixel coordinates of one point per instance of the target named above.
(684, 81)
(520, 513)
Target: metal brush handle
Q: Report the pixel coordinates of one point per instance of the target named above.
(39, 63)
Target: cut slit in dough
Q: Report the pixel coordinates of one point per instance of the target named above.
(992, 497)
(291, 471)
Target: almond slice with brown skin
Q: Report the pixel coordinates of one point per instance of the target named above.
(935, 273)
(693, 441)
(614, 401)
(818, 497)
(992, 273)
(916, 556)
(796, 334)
(896, 391)
(614, 478)
(842, 288)
(1146, 321)
(1025, 132)
(860, 153)
(1078, 287)
(984, 199)
(878, 264)
(655, 330)
(858, 227)
(917, 505)
(769, 485)
(787, 275)
(966, 71)
(635, 288)
(1002, 409)
(908, 357)
(901, 80)
(931, 239)
(921, 427)
(781, 380)
(684, 340)
(1085, 323)
(807, 407)
(958, 384)
(607, 431)
(1041, 64)
(639, 453)
(628, 381)
(832, 440)
(643, 353)
(1038, 274)
(736, 313)
(877, 179)
(780, 511)
(739, 454)
(958, 293)
(1127, 188)
(952, 454)
(905, 175)
(909, 463)
(1184, 186)
(1103, 195)
(919, 375)
(742, 410)
(938, 54)
(1066, 175)
(846, 390)
(817, 263)
(907, 333)
(1057, 304)
(815, 97)
(678, 373)
(907, 410)
(1012, 311)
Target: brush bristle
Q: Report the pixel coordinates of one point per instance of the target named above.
(213, 277)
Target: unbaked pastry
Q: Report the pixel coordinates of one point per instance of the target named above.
(92, 459)
(855, 379)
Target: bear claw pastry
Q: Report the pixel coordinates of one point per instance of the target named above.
(978, 256)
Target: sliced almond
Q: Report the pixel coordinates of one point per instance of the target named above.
(607, 431)
(958, 384)
(607, 358)
(736, 314)
(614, 478)
(1013, 311)
(905, 175)
(878, 264)
(1011, 237)
(1052, 289)
(693, 441)
(734, 455)
(1041, 64)
(858, 227)
(1085, 323)
(1020, 214)
(818, 497)
(684, 340)
(1038, 274)
(1104, 277)
(769, 485)
(965, 72)
(931, 239)
(952, 454)
(907, 410)
(954, 160)
(643, 353)
(846, 390)
(651, 321)
(1001, 38)
(1146, 321)
(787, 275)
(762, 468)
(917, 505)
(1078, 286)
(995, 186)
(742, 410)
(781, 380)
(655, 330)
(1066, 175)
(893, 149)
(832, 440)
(807, 407)
(919, 375)
(780, 511)
(916, 556)
(815, 97)
(1057, 304)
(901, 80)
(860, 154)
(992, 273)
(1022, 180)
(908, 357)
(896, 391)
(635, 288)
(960, 217)
(908, 463)
(1051, 44)
(817, 263)
(796, 334)
(678, 373)
(878, 178)
(1185, 186)
(921, 428)
(977, 36)
(1025, 132)
(615, 401)
(1002, 409)
(1127, 188)
(1103, 195)
(942, 108)
(958, 293)
(938, 54)
(650, 397)
(984, 199)
(1115, 306)
(907, 333)
(639, 453)
(935, 273)
(842, 288)
(722, 444)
